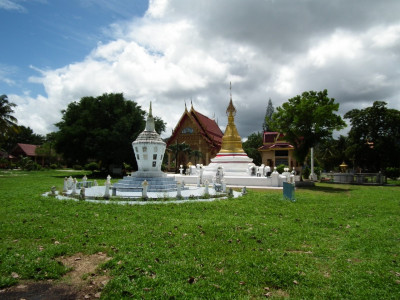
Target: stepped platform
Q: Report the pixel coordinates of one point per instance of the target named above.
(156, 184)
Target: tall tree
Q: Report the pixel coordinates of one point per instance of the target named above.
(268, 116)
(330, 153)
(8, 122)
(374, 137)
(254, 141)
(101, 129)
(306, 120)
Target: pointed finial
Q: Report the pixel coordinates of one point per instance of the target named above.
(231, 110)
(191, 103)
(150, 111)
(185, 106)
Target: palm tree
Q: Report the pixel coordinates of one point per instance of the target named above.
(178, 150)
(7, 121)
(197, 154)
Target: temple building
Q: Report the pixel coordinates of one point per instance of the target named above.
(277, 151)
(201, 133)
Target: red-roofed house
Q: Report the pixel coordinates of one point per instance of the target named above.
(200, 133)
(26, 150)
(276, 151)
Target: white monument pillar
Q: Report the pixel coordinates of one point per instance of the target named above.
(178, 190)
(312, 176)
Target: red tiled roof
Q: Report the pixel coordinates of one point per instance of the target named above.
(269, 137)
(274, 140)
(276, 146)
(207, 127)
(29, 150)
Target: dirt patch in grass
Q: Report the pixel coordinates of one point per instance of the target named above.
(83, 281)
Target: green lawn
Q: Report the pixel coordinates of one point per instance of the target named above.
(335, 241)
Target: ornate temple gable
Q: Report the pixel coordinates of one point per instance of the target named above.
(193, 125)
(274, 141)
(209, 127)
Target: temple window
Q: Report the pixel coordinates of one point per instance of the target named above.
(154, 156)
(137, 157)
(154, 164)
(144, 149)
(188, 130)
(145, 156)
(155, 149)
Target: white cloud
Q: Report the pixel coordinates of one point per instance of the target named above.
(11, 5)
(179, 51)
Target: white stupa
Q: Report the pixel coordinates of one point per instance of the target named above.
(149, 151)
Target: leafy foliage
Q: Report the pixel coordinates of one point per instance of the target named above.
(392, 173)
(307, 120)
(330, 153)
(180, 151)
(268, 116)
(374, 137)
(254, 141)
(8, 122)
(24, 135)
(101, 129)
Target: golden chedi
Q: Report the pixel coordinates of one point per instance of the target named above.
(231, 141)
(231, 157)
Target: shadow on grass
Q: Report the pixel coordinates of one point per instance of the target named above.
(324, 189)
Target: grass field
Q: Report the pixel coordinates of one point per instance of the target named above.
(335, 241)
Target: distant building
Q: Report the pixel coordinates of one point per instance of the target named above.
(277, 151)
(27, 150)
(198, 131)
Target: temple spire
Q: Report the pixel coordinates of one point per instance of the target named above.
(150, 111)
(231, 141)
(150, 126)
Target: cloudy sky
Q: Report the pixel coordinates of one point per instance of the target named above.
(172, 51)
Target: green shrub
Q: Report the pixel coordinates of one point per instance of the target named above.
(92, 166)
(77, 167)
(306, 172)
(392, 173)
(53, 166)
(281, 168)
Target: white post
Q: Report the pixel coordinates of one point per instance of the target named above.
(198, 180)
(82, 194)
(65, 188)
(178, 190)
(53, 190)
(201, 173)
(145, 185)
(70, 182)
(312, 175)
(206, 192)
(107, 190)
(73, 187)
